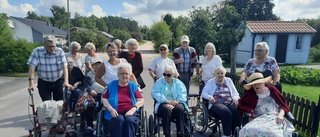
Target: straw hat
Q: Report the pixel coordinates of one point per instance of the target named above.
(257, 78)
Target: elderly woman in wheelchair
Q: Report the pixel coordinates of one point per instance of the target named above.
(223, 99)
(170, 95)
(122, 100)
(267, 108)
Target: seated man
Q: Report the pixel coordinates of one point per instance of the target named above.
(171, 97)
(122, 100)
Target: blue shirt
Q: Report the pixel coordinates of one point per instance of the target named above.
(49, 66)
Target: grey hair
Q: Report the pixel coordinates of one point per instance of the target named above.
(111, 45)
(211, 45)
(131, 41)
(264, 45)
(220, 68)
(169, 68)
(124, 65)
(75, 44)
(90, 46)
(117, 42)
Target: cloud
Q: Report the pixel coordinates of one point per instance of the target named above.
(294, 9)
(97, 11)
(148, 11)
(19, 11)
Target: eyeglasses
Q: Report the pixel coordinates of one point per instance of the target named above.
(124, 74)
(163, 49)
(167, 75)
(259, 50)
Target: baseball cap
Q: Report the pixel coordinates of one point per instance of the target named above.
(185, 38)
(164, 46)
(49, 38)
(94, 61)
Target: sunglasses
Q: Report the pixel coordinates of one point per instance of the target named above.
(163, 49)
(167, 75)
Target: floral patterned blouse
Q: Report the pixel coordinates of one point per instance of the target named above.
(269, 64)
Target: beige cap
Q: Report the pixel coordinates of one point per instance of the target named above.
(185, 38)
(164, 45)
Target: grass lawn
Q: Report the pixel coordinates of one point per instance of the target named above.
(308, 92)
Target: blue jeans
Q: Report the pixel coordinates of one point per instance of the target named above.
(122, 126)
(185, 78)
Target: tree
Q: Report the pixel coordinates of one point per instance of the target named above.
(102, 40)
(60, 17)
(228, 21)
(254, 9)
(145, 32)
(160, 33)
(78, 21)
(121, 34)
(314, 23)
(168, 19)
(202, 28)
(5, 31)
(82, 37)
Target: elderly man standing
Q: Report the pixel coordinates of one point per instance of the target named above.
(52, 70)
(185, 58)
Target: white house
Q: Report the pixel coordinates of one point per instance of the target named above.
(289, 41)
(35, 30)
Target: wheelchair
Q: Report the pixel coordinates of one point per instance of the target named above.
(154, 122)
(247, 115)
(102, 124)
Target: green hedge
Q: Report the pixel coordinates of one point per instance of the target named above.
(300, 76)
(14, 55)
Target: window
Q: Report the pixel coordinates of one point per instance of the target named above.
(264, 38)
(299, 41)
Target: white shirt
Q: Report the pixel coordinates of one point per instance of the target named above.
(208, 67)
(159, 64)
(110, 73)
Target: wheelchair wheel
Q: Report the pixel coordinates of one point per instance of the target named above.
(151, 126)
(201, 118)
(100, 126)
(236, 132)
(188, 127)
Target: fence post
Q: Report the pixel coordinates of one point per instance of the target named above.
(316, 119)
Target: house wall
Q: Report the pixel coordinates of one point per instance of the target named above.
(293, 56)
(244, 48)
(301, 56)
(21, 30)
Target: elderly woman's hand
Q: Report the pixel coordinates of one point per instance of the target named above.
(235, 102)
(279, 119)
(212, 100)
(170, 106)
(93, 93)
(113, 112)
(131, 111)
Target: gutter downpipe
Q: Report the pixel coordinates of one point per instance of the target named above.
(253, 41)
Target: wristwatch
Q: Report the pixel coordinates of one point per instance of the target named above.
(31, 79)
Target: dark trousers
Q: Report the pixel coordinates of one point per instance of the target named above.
(87, 114)
(230, 118)
(47, 88)
(122, 126)
(167, 115)
(185, 78)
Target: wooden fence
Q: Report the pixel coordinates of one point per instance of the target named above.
(306, 112)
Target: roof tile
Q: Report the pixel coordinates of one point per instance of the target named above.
(279, 27)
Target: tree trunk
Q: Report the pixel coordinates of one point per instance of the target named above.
(233, 59)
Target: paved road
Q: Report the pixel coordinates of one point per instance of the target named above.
(14, 98)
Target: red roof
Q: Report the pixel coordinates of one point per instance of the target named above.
(279, 27)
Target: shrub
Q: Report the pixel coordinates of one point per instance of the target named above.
(14, 55)
(315, 53)
(300, 76)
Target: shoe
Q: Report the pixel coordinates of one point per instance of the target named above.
(88, 132)
(82, 126)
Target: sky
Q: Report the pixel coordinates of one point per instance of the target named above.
(146, 12)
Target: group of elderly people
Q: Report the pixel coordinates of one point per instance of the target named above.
(116, 80)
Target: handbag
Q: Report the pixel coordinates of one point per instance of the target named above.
(141, 82)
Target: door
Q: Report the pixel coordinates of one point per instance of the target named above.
(281, 48)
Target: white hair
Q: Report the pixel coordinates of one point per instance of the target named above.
(90, 46)
(220, 68)
(75, 44)
(263, 45)
(211, 45)
(124, 65)
(169, 68)
(131, 41)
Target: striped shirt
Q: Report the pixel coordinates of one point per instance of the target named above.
(49, 66)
